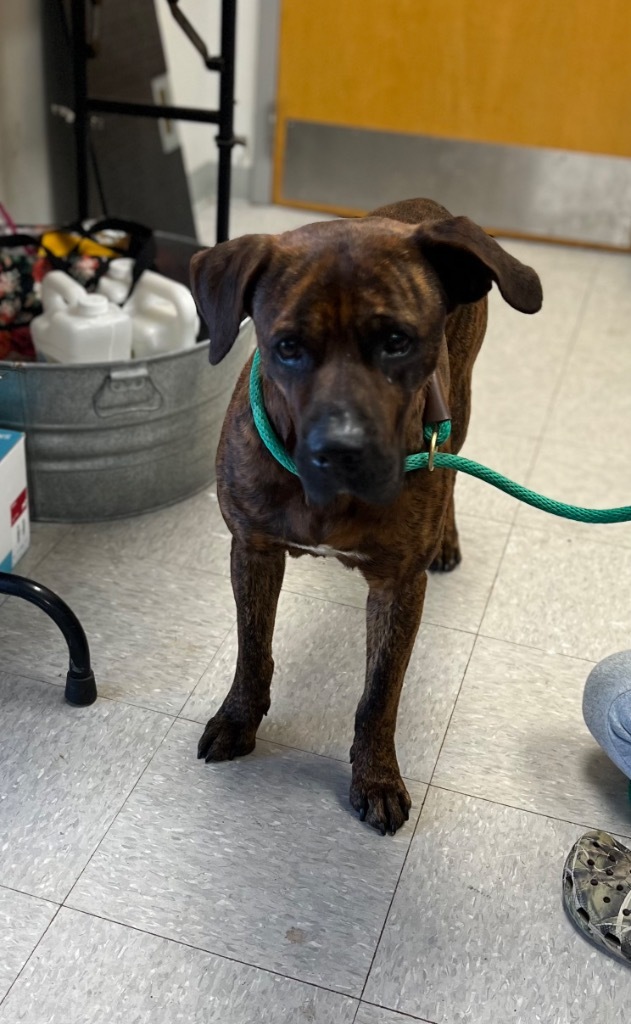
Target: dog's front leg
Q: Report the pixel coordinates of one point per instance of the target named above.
(256, 581)
(393, 614)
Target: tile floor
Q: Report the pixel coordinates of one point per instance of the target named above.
(140, 885)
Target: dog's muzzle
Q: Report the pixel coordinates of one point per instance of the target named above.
(337, 454)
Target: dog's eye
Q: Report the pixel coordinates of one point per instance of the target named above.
(396, 344)
(289, 350)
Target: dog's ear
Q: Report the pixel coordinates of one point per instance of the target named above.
(222, 281)
(467, 261)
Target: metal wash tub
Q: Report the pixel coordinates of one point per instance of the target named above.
(115, 439)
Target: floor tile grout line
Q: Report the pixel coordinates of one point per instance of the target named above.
(535, 455)
(30, 955)
(398, 1013)
(531, 527)
(117, 813)
(453, 709)
(209, 952)
(500, 521)
(179, 717)
(513, 527)
(257, 967)
(540, 438)
(565, 361)
(138, 560)
(298, 750)
(63, 534)
(540, 650)
(522, 646)
(128, 796)
(39, 561)
(192, 721)
(394, 893)
(20, 673)
(30, 895)
(473, 647)
(489, 595)
(523, 810)
(210, 664)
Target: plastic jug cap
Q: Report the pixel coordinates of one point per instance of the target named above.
(91, 305)
(121, 269)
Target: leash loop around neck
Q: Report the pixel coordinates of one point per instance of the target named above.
(272, 442)
(442, 460)
(266, 431)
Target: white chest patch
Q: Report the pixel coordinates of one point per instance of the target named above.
(324, 549)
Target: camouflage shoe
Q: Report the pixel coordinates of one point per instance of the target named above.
(597, 892)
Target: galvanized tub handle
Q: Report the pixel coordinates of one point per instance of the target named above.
(126, 390)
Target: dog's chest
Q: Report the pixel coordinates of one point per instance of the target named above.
(328, 552)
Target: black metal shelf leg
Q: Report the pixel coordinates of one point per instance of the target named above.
(225, 137)
(81, 114)
(224, 64)
(80, 684)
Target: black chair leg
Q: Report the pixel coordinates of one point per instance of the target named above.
(80, 685)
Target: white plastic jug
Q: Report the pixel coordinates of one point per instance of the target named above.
(163, 312)
(116, 282)
(79, 328)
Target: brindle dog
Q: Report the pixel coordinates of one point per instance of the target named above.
(352, 317)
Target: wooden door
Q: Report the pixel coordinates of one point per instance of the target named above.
(554, 74)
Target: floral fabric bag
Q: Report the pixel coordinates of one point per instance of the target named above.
(83, 253)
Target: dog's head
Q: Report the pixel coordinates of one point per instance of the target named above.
(349, 317)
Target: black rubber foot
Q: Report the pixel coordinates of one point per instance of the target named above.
(80, 690)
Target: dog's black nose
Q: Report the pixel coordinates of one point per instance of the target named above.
(338, 440)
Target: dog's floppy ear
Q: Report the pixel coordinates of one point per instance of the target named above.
(222, 281)
(467, 261)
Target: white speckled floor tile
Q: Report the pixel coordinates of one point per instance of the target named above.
(189, 535)
(260, 859)
(152, 629)
(561, 594)
(509, 454)
(541, 756)
(477, 932)
(522, 358)
(88, 970)
(368, 1014)
(580, 476)
(23, 921)
(457, 599)
(592, 407)
(591, 410)
(65, 773)
(246, 217)
(44, 537)
(319, 652)
(326, 579)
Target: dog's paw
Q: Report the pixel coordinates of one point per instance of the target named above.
(224, 738)
(381, 798)
(447, 558)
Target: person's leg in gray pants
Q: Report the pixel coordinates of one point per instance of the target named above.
(607, 708)
(597, 872)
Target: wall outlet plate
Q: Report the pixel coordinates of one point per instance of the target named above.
(161, 92)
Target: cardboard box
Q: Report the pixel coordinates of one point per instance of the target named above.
(15, 532)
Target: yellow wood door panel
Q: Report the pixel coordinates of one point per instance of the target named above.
(554, 73)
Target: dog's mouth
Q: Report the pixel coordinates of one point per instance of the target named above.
(372, 478)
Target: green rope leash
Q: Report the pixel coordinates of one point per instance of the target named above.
(441, 459)
(266, 431)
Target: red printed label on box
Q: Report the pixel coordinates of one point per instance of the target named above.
(19, 506)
